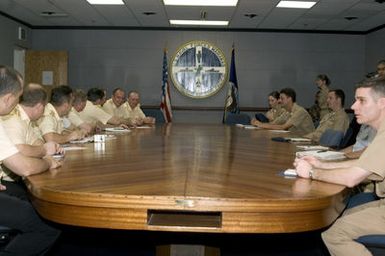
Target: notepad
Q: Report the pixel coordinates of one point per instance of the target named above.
(322, 154)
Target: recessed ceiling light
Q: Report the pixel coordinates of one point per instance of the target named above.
(53, 14)
(149, 13)
(111, 2)
(296, 4)
(250, 15)
(200, 22)
(350, 18)
(201, 2)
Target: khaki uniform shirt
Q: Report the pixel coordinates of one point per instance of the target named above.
(373, 160)
(74, 118)
(50, 122)
(20, 129)
(93, 114)
(337, 121)
(113, 110)
(322, 102)
(134, 113)
(274, 113)
(7, 149)
(281, 117)
(300, 120)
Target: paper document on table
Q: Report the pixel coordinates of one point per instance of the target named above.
(279, 131)
(247, 126)
(322, 154)
(312, 147)
(298, 139)
(71, 148)
(84, 140)
(143, 127)
(290, 172)
(116, 129)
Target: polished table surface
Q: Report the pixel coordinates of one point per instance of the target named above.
(185, 177)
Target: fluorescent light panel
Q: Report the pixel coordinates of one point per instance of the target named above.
(200, 22)
(296, 4)
(106, 2)
(201, 2)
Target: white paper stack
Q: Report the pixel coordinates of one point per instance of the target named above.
(247, 126)
(84, 140)
(116, 129)
(322, 154)
(290, 172)
(312, 147)
(299, 139)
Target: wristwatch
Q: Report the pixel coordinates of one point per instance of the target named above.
(311, 173)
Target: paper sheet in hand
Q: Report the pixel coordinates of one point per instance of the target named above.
(323, 155)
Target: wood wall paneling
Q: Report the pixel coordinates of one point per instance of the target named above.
(38, 61)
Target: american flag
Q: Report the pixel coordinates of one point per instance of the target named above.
(165, 105)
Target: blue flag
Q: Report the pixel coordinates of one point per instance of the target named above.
(232, 99)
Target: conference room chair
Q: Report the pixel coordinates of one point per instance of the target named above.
(232, 119)
(155, 113)
(350, 134)
(374, 243)
(331, 138)
(261, 117)
(5, 235)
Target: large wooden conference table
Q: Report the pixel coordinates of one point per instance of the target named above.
(185, 177)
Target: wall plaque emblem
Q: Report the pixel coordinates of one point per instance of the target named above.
(198, 69)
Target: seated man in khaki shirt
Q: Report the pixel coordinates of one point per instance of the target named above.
(78, 104)
(94, 114)
(51, 123)
(336, 120)
(20, 126)
(134, 110)
(299, 122)
(116, 105)
(367, 218)
(34, 236)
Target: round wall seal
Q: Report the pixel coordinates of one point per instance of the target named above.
(198, 69)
